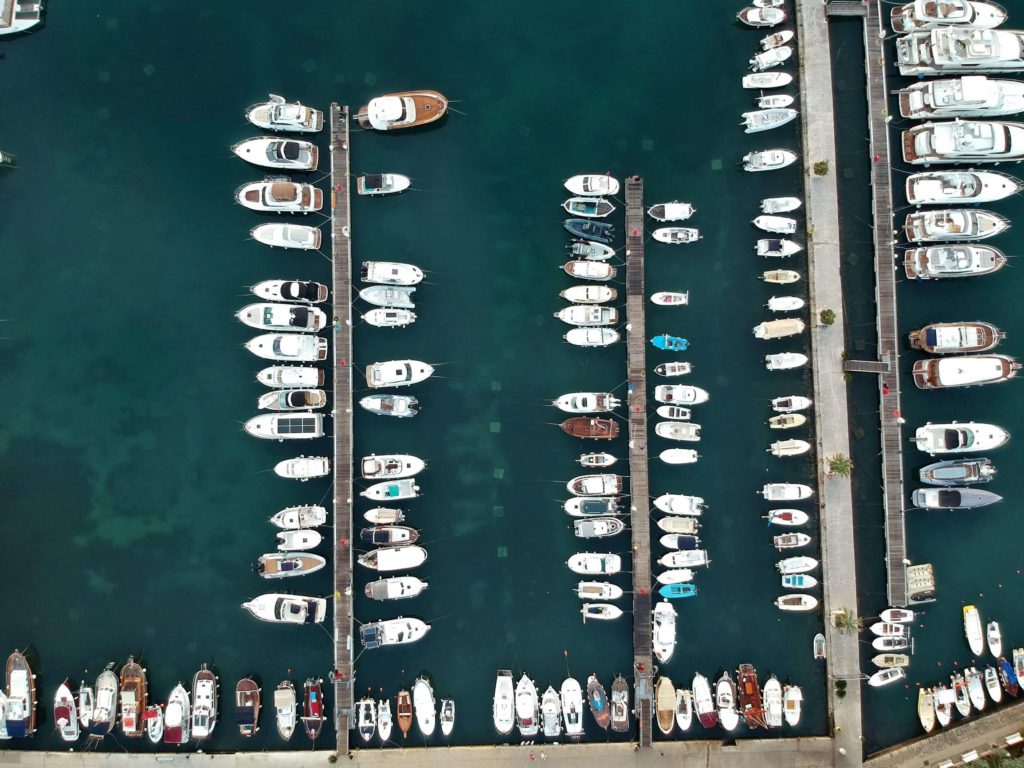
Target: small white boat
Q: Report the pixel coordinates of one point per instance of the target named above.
(595, 485)
(598, 590)
(392, 490)
(295, 540)
(886, 660)
(801, 564)
(779, 329)
(763, 80)
(400, 406)
(886, 676)
(594, 564)
(382, 184)
(885, 629)
(772, 695)
(587, 249)
(679, 456)
(796, 602)
(571, 695)
(527, 708)
(995, 690)
(593, 184)
(270, 316)
(685, 394)
(674, 211)
(787, 421)
(782, 225)
(400, 631)
(673, 412)
(395, 588)
(600, 612)
(591, 337)
(383, 317)
(503, 703)
(446, 717)
(791, 403)
(281, 235)
(787, 517)
(587, 402)
(597, 527)
(289, 347)
(397, 373)
(782, 361)
(973, 631)
(390, 466)
(782, 448)
(384, 516)
(676, 576)
(671, 298)
(366, 718)
(276, 114)
(686, 526)
(177, 719)
(423, 705)
(778, 248)
(766, 119)
(292, 400)
(285, 709)
(995, 639)
(589, 270)
(790, 541)
(785, 304)
(799, 581)
(786, 492)
(975, 688)
(773, 205)
(676, 235)
(768, 160)
(678, 430)
(154, 719)
(680, 504)
(390, 273)
(286, 609)
(65, 713)
(596, 460)
(684, 709)
(303, 468)
(685, 558)
(663, 636)
(725, 701)
(780, 276)
(280, 195)
(792, 697)
(673, 369)
(896, 616)
(588, 207)
(956, 437)
(294, 291)
(774, 101)
(589, 294)
(593, 506)
(755, 16)
(388, 559)
(776, 39)
(588, 315)
(391, 297)
(678, 541)
(278, 154)
(286, 426)
(773, 57)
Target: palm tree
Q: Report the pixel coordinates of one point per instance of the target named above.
(846, 621)
(839, 465)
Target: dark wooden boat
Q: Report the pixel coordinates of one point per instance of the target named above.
(598, 700)
(593, 428)
(956, 338)
(133, 699)
(20, 712)
(313, 707)
(620, 704)
(405, 109)
(403, 712)
(750, 697)
(247, 706)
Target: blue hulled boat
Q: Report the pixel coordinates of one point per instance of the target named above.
(1008, 677)
(673, 591)
(591, 230)
(670, 343)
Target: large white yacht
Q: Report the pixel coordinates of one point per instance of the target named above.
(955, 437)
(960, 141)
(280, 195)
(964, 371)
(953, 224)
(19, 15)
(928, 14)
(948, 261)
(967, 96)
(398, 631)
(397, 373)
(285, 154)
(277, 115)
(959, 49)
(503, 709)
(950, 187)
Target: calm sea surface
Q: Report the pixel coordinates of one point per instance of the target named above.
(134, 503)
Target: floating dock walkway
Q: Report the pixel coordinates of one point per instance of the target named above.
(341, 364)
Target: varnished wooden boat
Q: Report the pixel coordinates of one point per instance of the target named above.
(586, 427)
(247, 706)
(313, 707)
(405, 109)
(133, 699)
(750, 697)
(404, 712)
(953, 338)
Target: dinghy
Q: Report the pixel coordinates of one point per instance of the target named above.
(589, 294)
(676, 235)
(670, 298)
(764, 80)
(781, 276)
(787, 421)
(282, 235)
(783, 361)
(584, 249)
(773, 57)
(674, 211)
(679, 456)
(677, 591)
(767, 119)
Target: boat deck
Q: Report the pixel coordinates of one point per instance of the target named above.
(341, 270)
(638, 456)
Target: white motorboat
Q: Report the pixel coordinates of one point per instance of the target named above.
(397, 373)
(967, 96)
(685, 558)
(973, 631)
(785, 304)
(589, 270)
(447, 717)
(943, 262)
(782, 225)
(962, 141)
(792, 697)
(800, 564)
(671, 298)
(154, 721)
(786, 492)
(424, 706)
(679, 504)
(954, 437)
(177, 717)
(588, 207)
(790, 541)
(766, 119)
(278, 154)
(571, 695)
(679, 456)
(280, 195)
(390, 466)
(387, 559)
(600, 185)
(395, 588)
(366, 718)
(673, 369)
(596, 460)
(676, 235)
(292, 400)
(503, 706)
(400, 406)
(589, 294)
(383, 317)
(587, 402)
(527, 707)
(799, 581)
(551, 713)
(992, 685)
(591, 337)
(674, 211)
(392, 490)
(954, 187)
(684, 709)
(297, 539)
(284, 565)
(663, 636)
(781, 276)
(774, 101)
(588, 315)
(764, 80)
(755, 16)
(593, 506)
(269, 316)
(294, 291)
(959, 49)
(685, 394)
(595, 485)
(286, 426)
(787, 517)
(597, 527)
(286, 609)
(928, 14)
(673, 412)
(782, 361)
(768, 160)
(598, 590)
(787, 421)
(886, 676)
(282, 235)
(384, 516)
(772, 695)
(682, 525)
(782, 448)
(204, 703)
(678, 430)
(796, 602)
(65, 714)
(600, 612)
(390, 297)
(678, 541)
(587, 249)
(777, 247)
(773, 57)
(276, 114)
(291, 377)
(896, 616)
(400, 631)
(676, 576)
(303, 468)
(776, 39)
(886, 660)
(964, 371)
(779, 329)
(373, 184)
(288, 347)
(594, 564)
(887, 629)
(725, 701)
(995, 639)
(956, 338)
(956, 224)
(390, 273)
(703, 703)
(772, 205)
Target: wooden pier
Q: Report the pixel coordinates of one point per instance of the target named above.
(889, 410)
(638, 458)
(341, 271)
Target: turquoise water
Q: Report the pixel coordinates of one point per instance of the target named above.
(135, 503)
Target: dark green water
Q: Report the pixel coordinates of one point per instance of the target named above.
(134, 502)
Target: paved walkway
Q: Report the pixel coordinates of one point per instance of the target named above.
(835, 497)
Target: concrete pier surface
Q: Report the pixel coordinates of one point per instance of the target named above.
(835, 496)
